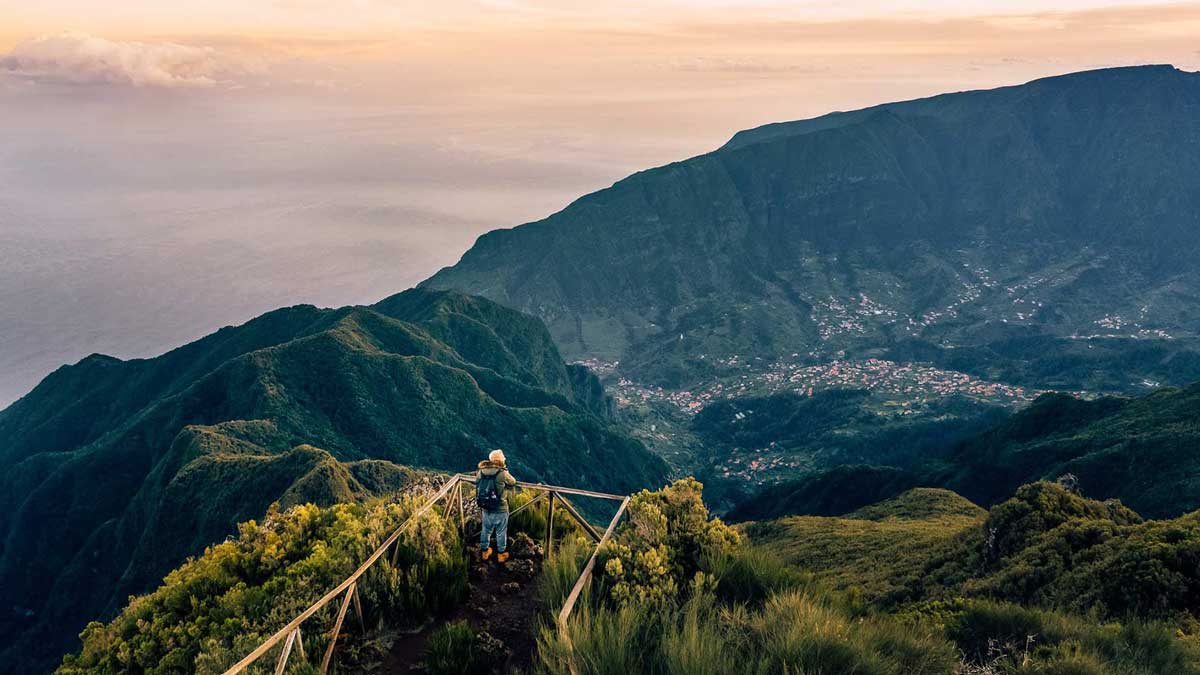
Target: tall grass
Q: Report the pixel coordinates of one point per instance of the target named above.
(560, 573)
(751, 575)
(453, 650)
(1008, 638)
(693, 644)
(601, 642)
(765, 619)
(791, 633)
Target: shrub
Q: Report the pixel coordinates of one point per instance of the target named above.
(661, 547)
(1039, 507)
(218, 607)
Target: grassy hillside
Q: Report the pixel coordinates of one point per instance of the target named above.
(118, 470)
(1144, 451)
(680, 594)
(1046, 547)
(881, 550)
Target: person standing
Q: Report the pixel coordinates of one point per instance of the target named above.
(492, 481)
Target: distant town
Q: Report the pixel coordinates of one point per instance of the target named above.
(912, 384)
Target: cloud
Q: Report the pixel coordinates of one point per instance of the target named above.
(79, 58)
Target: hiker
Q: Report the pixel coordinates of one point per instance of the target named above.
(492, 480)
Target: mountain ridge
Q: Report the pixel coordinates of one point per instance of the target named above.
(1065, 212)
(302, 405)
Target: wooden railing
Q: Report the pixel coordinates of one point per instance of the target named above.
(347, 590)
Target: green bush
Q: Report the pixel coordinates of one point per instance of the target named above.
(1038, 508)
(722, 607)
(663, 544)
(218, 607)
(685, 598)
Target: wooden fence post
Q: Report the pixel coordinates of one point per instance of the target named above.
(362, 620)
(574, 513)
(550, 525)
(287, 650)
(337, 628)
(462, 513)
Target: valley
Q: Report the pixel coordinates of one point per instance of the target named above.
(937, 363)
(899, 395)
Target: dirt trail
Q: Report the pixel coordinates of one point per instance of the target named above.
(501, 601)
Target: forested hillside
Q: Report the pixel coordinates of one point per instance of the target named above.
(1144, 451)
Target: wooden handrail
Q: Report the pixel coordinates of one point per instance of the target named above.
(586, 575)
(282, 633)
(470, 478)
(580, 519)
(290, 634)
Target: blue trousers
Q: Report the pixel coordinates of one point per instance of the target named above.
(495, 521)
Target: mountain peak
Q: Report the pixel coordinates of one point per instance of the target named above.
(940, 220)
(1099, 76)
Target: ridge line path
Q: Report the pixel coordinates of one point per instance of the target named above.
(501, 601)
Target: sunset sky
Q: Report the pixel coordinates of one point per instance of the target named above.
(167, 168)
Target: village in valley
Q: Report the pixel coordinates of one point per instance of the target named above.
(913, 385)
(662, 417)
(900, 392)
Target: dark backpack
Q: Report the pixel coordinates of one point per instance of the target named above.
(486, 494)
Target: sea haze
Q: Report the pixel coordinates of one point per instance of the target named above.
(133, 221)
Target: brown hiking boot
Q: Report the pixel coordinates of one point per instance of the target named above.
(501, 557)
(487, 553)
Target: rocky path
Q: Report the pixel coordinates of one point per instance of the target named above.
(501, 606)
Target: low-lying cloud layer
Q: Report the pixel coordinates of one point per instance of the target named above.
(79, 58)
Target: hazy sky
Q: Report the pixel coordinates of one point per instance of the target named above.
(169, 168)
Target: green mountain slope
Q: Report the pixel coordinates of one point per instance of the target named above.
(1046, 228)
(1045, 546)
(835, 492)
(118, 470)
(785, 435)
(1143, 451)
